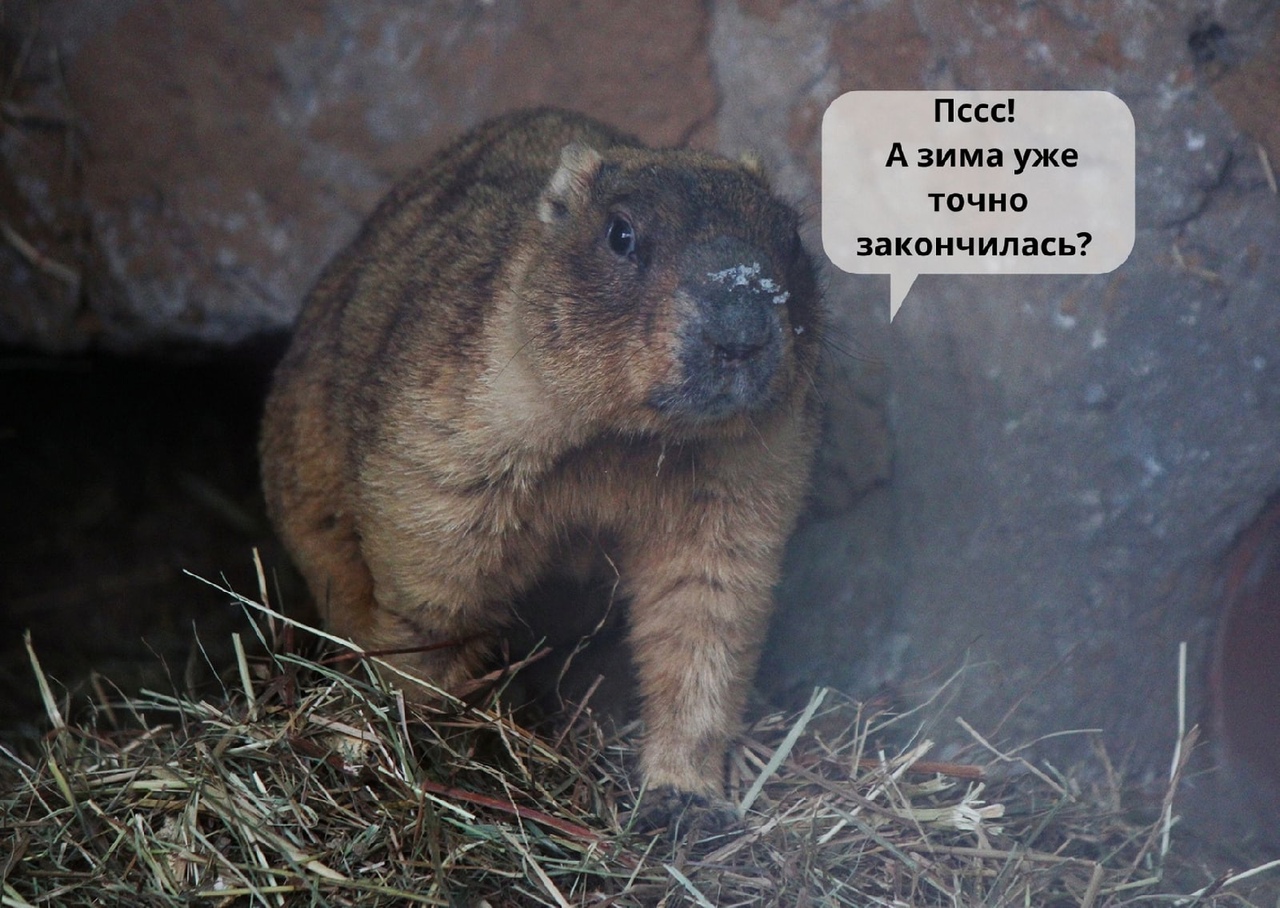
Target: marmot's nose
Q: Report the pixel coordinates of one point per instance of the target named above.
(737, 296)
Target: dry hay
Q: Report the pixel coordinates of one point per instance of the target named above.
(307, 783)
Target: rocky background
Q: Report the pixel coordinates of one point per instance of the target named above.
(1034, 486)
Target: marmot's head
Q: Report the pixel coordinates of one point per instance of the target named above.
(668, 289)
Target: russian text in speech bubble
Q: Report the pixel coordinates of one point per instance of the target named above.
(983, 182)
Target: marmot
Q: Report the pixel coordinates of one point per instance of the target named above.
(553, 351)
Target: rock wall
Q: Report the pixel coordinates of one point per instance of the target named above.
(1037, 478)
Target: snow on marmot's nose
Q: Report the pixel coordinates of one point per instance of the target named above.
(731, 344)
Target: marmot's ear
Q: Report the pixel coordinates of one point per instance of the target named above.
(572, 180)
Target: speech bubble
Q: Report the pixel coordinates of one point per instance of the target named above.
(976, 182)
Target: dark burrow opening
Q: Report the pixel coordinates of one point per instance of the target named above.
(120, 474)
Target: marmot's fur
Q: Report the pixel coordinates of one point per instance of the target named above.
(550, 352)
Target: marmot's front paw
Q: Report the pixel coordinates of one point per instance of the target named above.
(684, 813)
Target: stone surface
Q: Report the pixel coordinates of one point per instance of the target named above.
(1071, 457)
(1083, 450)
(1035, 478)
(222, 151)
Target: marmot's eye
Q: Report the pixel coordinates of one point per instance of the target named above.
(621, 236)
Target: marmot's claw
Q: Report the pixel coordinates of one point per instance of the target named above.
(684, 814)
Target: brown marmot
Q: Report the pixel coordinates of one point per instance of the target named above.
(553, 350)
